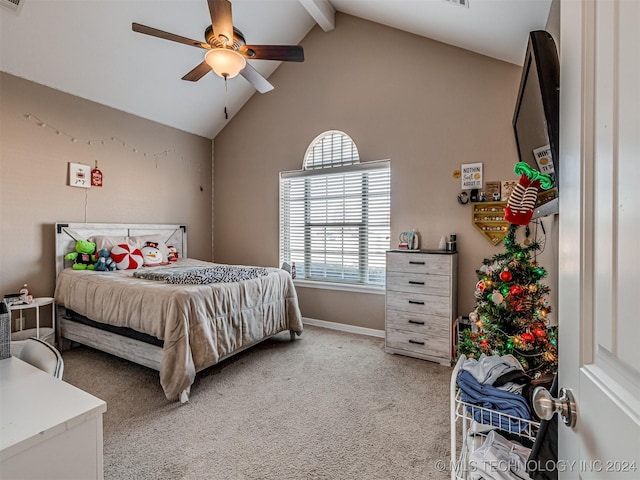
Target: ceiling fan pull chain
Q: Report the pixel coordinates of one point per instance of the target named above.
(226, 115)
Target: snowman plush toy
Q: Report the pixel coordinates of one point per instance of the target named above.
(151, 255)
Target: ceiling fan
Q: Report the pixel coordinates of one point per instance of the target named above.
(227, 50)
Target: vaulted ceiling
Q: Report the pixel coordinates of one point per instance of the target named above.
(88, 49)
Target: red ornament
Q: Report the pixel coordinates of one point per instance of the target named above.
(484, 343)
(527, 337)
(481, 285)
(505, 275)
(515, 290)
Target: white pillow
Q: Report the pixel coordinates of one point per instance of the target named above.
(110, 241)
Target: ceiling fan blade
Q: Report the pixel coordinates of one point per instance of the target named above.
(198, 72)
(221, 20)
(154, 32)
(258, 81)
(285, 53)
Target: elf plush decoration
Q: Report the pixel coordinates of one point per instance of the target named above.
(84, 257)
(522, 200)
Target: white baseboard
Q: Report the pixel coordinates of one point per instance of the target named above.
(343, 327)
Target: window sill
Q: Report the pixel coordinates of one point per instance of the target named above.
(343, 287)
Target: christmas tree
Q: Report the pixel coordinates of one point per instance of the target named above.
(511, 310)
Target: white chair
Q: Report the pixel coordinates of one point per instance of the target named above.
(41, 355)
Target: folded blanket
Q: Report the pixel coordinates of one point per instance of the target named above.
(488, 368)
(501, 401)
(202, 275)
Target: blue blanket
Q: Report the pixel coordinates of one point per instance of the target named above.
(487, 396)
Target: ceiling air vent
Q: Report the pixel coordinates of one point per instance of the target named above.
(12, 5)
(462, 3)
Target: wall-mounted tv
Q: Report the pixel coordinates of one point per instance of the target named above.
(536, 120)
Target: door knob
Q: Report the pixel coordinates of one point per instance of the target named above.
(545, 405)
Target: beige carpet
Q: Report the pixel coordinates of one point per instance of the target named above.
(330, 405)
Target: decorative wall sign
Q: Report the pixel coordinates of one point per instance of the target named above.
(506, 188)
(471, 175)
(96, 176)
(79, 175)
(543, 159)
(492, 191)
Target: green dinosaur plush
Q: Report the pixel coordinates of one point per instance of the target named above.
(84, 257)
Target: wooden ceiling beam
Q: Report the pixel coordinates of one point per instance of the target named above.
(322, 12)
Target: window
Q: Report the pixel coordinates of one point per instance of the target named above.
(334, 214)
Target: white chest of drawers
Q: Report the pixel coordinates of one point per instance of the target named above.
(421, 299)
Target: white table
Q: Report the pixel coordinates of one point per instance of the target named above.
(38, 302)
(48, 428)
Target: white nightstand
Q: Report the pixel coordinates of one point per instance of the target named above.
(46, 333)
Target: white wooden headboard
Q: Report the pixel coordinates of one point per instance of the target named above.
(68, 233)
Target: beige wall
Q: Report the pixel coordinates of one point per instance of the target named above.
(33, 178)
(427, 106)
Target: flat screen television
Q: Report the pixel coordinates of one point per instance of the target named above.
(536, 120)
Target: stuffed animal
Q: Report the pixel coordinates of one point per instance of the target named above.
(173, 253)
(152, 255)
(84, 257)
(105, 263)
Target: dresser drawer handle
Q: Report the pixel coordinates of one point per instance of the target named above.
(416, 342)
(411, 282)
(416, 263)
(416, 303)
(416, 322)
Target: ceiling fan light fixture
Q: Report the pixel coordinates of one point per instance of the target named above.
(225, 62)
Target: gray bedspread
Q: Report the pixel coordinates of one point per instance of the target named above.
(199, 324)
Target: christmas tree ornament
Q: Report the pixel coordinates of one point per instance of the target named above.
(515, 290)
(497, 298)
(505, 275)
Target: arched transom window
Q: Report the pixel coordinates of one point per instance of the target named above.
(335, 214)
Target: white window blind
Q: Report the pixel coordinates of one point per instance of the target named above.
(334, 219)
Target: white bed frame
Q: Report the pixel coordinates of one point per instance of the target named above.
(69, 331)
(68, 233)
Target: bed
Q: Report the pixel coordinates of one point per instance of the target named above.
(177, 329)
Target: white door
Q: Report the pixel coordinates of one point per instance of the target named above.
(599, 232)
